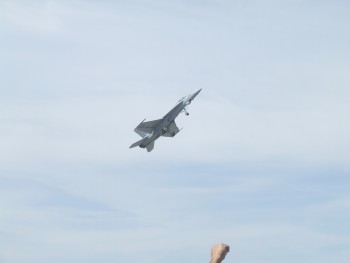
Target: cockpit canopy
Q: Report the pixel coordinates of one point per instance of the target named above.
(182, 99)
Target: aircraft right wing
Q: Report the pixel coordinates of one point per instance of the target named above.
(172, 130)
(145, 128)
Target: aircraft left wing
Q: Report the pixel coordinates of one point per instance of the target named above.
(145, 128)
(172, 130)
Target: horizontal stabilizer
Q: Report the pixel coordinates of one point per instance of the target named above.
(138, 143)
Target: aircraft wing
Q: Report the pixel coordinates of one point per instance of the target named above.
(145, 128)
(172, 130)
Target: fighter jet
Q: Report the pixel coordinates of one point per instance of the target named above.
(150, 131)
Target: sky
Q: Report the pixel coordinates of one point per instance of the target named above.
(262, 162)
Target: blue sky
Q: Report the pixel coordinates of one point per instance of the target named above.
(261, 164)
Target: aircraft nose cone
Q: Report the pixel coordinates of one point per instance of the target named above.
(196, 93)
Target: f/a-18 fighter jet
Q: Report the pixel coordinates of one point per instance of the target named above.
(152, 130)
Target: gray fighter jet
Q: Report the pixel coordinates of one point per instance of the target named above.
(166, 126)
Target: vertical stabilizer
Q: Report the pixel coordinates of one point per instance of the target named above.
(150, 146)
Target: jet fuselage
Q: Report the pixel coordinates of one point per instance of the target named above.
(151, 131)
